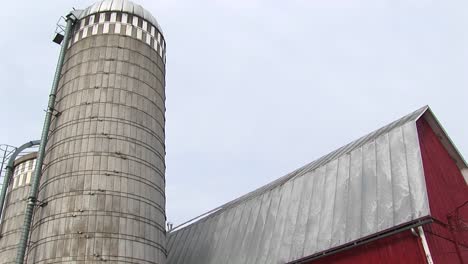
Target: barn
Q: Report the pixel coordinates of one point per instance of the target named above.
(396, 195)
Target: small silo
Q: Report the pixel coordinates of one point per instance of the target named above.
(103, 174)
(13, 212)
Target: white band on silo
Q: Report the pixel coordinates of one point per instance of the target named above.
(97, 23)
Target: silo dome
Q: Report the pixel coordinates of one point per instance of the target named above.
(123, 6)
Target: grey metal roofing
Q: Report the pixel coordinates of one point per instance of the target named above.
(370, 185)
(120, 6)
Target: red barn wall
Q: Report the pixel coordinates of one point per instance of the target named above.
(447, 190)
(403, 247)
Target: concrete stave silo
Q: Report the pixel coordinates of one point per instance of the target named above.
(13, 212)
(103, 175)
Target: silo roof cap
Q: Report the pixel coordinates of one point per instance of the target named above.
(120, 6)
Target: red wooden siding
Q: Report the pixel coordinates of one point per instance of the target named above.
(447, 190)
(403, 247)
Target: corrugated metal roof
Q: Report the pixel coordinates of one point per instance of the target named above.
(120, 6)
(368, 186)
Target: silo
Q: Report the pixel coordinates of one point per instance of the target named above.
(103, 174)
(13, 212)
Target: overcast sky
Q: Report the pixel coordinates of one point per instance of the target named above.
(258, 88)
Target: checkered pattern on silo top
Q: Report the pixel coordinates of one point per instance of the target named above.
(121, 24)
(23, 173)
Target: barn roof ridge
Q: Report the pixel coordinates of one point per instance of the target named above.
(412, 117)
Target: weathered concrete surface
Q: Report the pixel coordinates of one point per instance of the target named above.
(104, 169)
(15, 204)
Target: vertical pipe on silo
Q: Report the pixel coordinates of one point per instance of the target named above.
(41, 152)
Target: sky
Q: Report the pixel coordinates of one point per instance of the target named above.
(258, 88)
